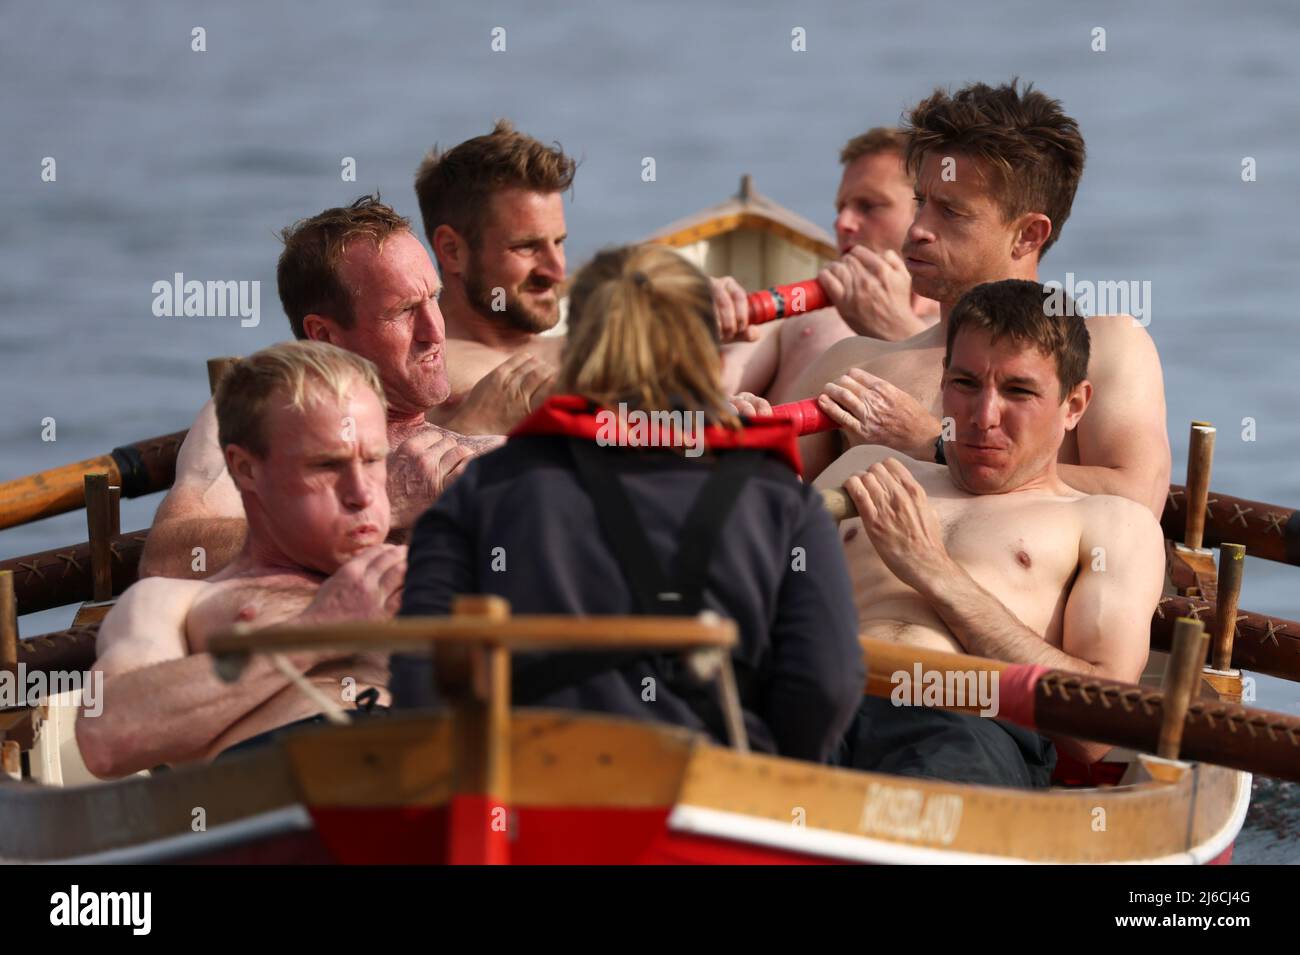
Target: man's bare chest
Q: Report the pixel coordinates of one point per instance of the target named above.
(1031, 549)
(257, 602)
(470, 362)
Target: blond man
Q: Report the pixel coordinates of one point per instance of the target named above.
(302, 429)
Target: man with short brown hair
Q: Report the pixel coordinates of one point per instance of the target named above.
(493, 213)
(356, 277)
(994, 554)
(869, 288)
(996, 173)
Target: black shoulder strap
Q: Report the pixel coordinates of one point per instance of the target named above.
(622, 530)
(703, 525)
(653, 592)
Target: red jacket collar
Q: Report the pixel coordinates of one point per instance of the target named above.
(576, 417)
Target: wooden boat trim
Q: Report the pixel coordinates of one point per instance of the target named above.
(48, 823)
(167, 848)
(981, 823)
(701, 820)
(571, 760)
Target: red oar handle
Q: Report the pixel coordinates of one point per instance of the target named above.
(807, 417)
(782, 301)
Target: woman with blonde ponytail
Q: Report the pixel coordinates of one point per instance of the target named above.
(637, 489)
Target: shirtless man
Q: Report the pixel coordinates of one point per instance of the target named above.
(996, 172)
(493, 213)
(869, 287)
(994, 554)
(356, 277)
(303, 432)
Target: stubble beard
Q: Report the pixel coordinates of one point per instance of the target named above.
(516, 314)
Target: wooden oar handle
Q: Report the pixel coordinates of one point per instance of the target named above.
(1200, 458)
(8, 620)
(61, 651)
(808, 418)
(838, 503)
(782, 301)
(139, 468)
(54, 578)
(533, 632)
(1268, 530)
(1106, 711)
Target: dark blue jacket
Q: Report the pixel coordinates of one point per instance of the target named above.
(518, 523)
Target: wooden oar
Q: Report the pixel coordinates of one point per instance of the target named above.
(1263, 644)
(10, 750)
(1267, 530)
(139, 468)
(531, 632)
(55, 578)
(66, 650)
(1045, 700)
(1105, 711)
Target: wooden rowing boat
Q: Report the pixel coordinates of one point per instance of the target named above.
(588, 789)
(484, 783)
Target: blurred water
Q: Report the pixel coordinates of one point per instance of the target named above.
(170, 160)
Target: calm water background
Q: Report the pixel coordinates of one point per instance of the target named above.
(169, 160)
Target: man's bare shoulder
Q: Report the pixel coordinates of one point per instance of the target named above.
(155, 593)
(1110, 333)
(1118, 520)
(1113, 508)
(147, 624)
(203, 487)
(200, 454)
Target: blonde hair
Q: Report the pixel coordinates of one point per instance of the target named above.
(283, 371)
(642, 331)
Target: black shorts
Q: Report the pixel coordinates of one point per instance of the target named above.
(366, 706)
(937, 744)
